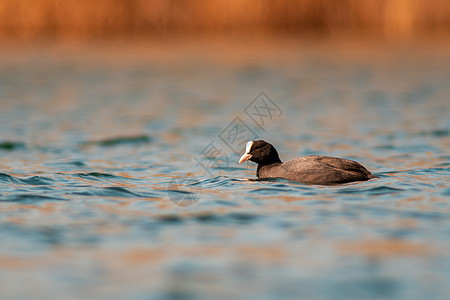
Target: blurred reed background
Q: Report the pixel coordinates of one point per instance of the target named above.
(24, 19)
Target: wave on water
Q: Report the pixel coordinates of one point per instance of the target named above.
(211, 217)
(113, 191)
(268, 191)
(212, 182)
(33, 180)
(10, 146)
(29, 198)
(69, 189)
(75, 163)
(378, 190)
(102, 176)
(138, 139)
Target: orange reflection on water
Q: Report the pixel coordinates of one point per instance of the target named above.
(265, 254)
(385, 248)
(12, 262)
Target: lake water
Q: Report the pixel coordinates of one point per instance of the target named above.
(119, 176)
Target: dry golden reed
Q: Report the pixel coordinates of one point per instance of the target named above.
(159, 18)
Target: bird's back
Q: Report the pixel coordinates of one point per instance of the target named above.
(317, 169)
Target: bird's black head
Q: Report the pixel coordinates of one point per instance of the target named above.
(260, 152)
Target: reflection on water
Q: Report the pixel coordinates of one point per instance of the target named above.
(91, 142)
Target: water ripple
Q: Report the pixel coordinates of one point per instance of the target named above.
(138, 139)
(378, 190)
(113, 191)
(29, 198)
(10, 146)
(33, 180)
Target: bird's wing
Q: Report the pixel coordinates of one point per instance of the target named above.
(316, 162)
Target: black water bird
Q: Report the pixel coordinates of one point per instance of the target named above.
(313, 169)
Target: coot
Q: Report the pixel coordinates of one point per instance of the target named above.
(313, 169)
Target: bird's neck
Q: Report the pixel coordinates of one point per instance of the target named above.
(267, 163)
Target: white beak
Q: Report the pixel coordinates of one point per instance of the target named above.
(245, 157)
